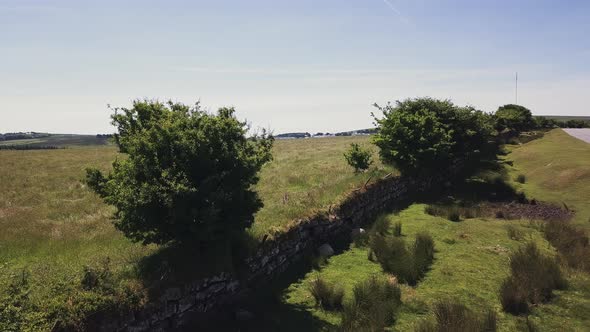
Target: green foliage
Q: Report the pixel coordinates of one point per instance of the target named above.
(521, 178)
(574, 123)
(358, 158)
(426, 135)
(15, 305)
(381, 225)
(327, 296)
(571, 242)
(453, 212)
(514, 233)
(407, 264)
(514, 117)
(532, 281)
(423, 252)
(373, 305)
(188, 174)
(542, 122)
(451, 316)
(397, 229)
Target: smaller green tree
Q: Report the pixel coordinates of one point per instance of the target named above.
(514, 117)
(358, 158)
(425, 135)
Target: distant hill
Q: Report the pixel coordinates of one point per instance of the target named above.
(44, 140)
(368, 131)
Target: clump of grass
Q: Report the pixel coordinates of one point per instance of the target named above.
(571, 242)
(397, 229)
(514, 233)
(521, 178)
(423, 252)
(373, 305)
(451, 316)
(381, 225)
(327, 296)
(454, 216)
(95, 277)
(532, 281)
(407, 264)
(453, 212)
(527, 325)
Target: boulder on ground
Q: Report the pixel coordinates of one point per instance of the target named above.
(325, 250)
(357, 232)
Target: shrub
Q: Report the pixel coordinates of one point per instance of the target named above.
(393, 256)
(188, 175)
(373, 305)
(426, 135)
(532, 281)
(397, 229)
(527, 325)
(571, 242)
(327, 296)
(358, 158)
(451, 316)
(423, 251)
(381, 225)
(454, 215)
(15, 304)
(95, 277)
(514, 233)
(521, 178)
(408, 265)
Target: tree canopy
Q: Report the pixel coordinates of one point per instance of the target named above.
(188, 174)
(514, 117)
(424, 135)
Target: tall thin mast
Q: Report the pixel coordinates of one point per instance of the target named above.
(516, 91)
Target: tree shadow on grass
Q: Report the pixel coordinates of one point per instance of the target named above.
(264, 307)
(175, 265)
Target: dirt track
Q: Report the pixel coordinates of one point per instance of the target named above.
(582, 133)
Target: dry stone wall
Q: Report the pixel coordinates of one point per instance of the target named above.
(270, 259)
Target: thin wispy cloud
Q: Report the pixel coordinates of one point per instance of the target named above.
(396, 11)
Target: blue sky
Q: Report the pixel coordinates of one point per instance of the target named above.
(286, 65)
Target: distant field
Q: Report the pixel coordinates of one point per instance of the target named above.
(52, 225)
(565, 117)
(60, 140)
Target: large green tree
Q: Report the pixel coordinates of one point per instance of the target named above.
(187, 176)
(425, 135)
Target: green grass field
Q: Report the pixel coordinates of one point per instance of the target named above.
(53, 226)
(60, 140)
(472, 255)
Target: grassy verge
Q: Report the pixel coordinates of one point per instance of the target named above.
(557, 169)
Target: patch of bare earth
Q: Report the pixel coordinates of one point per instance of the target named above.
(534, 211)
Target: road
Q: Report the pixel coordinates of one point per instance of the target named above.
(582, 133)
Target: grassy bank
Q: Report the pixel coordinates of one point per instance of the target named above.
(557, 169)
(470, 264)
